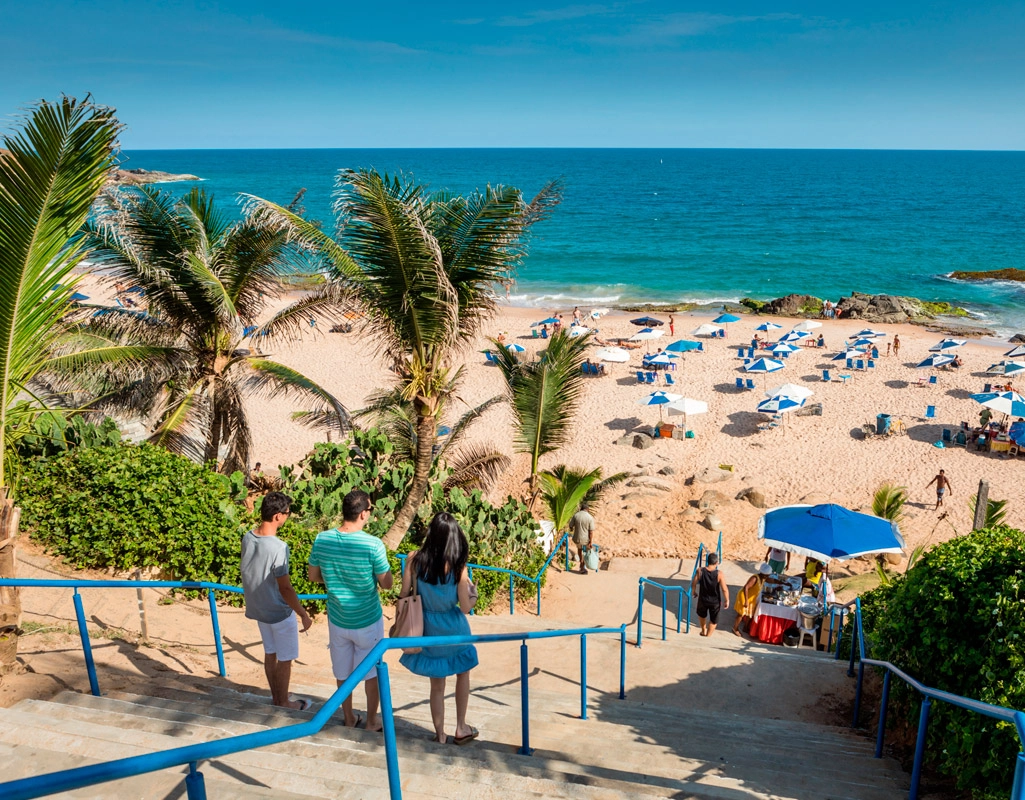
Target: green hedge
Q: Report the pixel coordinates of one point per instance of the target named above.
(956, 622)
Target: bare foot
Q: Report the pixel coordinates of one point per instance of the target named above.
(736, 632)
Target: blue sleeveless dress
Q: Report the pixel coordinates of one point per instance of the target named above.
(442, 617)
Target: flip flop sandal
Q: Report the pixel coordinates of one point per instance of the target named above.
(461, 740)
(360, 722)
(305, 704)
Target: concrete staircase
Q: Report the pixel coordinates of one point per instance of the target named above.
(625, 749)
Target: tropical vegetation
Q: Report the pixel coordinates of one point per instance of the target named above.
(956, 622)
(422, 268)
(565, 489)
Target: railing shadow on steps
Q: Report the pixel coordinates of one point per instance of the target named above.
(1015, 717)
(562, 544)
(68, 780)
(680, 591)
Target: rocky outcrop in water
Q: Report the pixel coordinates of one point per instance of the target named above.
(139, 177)
(990, 275)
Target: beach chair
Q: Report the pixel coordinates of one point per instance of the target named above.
(651, 377)
(871, 363)
(750, 383)
(740, 383)
(751, 352)
(544, 334)
(640, 377)
(947, 437)
(826, 376)
(932, 380)
(961, 439)
(492, 359)
(786, 354)
(534, 334)
(930, 412)
(850, 363)
(987, 388)
(669, 380)
(859, 364)
(754, 343)
(740, 352)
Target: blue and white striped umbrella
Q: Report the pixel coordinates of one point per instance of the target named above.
(1006, 368)
(659, 399)
(936, 360)
(863, 342)
(794, 336)
(868, 333)
(769, 326)
(1005, 402)
(1015, 352)
(661, 360)
(848, 354)
(515, 348)
(947, 344)
(780, 405)
(765, 365)
(783, 347)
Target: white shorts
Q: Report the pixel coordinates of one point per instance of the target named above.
(349, 646)
(281, 638)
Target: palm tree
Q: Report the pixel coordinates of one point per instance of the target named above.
(996, 512)
(207, 281)
(888, 502)
(564, 489)
(545, 394)
(469, 466)
(423, 269)
(50, 174)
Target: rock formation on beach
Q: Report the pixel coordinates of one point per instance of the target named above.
(138, 177)
(990, 275)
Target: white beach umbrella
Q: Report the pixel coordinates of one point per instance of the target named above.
(646, 333)
(807, 325)
(706, 330)
(578, 330)
(515, 348)
(598, 313)
(687, 406)
(659, 399)
(1015, 352)
(783, 347)
(794, 390)
(794, 336)
(1006, 368)
(936, 360)
(614, 354)
(947, 344)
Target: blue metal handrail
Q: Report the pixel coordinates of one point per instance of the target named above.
(1017, 718)
(513, 574)
(68, 780)
(688, 593)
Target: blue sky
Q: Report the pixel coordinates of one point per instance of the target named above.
(188, 73)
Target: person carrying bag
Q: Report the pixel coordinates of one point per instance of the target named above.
(409, 616)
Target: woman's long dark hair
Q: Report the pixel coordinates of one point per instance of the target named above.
(445, 545)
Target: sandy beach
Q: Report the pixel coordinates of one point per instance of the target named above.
(813, 458)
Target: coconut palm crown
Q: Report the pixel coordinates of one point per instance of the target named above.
(423, 268)
(207, 282)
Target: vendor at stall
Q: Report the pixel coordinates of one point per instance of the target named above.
(779, 560)
(749, 595)
(812, 573)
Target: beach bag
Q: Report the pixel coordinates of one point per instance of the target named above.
(409, 616)
(591, 559)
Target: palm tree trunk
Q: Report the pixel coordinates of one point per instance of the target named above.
(10, 599)
(426, 434)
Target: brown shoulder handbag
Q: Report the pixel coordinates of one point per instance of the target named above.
(409, 614)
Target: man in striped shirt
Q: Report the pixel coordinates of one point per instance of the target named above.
(352, 565)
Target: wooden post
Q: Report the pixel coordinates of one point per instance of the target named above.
(143, 627)
(10, 598)
(981, 505)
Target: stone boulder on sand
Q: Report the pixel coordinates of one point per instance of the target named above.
(712, 475)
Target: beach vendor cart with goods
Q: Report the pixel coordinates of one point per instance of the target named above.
(823, 533)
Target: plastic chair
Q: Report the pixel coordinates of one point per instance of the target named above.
(640, 377)
(669, 380)
(750, 384)
(859, 364)
(826, 376)
(651, 377)
(961, 440)
(947, 437)
(813, 633)
(740, 352)
(930, 412)
(932, 380)
(850, 363)
(740, 383)
(871, 363)
(492, 359)
(534, 334)
(987, 387)
(751, 352)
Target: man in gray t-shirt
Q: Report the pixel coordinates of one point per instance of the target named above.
(271, 600)
(581, 529)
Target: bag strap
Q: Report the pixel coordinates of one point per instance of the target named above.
(413, 579)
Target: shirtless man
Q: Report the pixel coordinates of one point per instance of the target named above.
(942, 487)
(896, 345)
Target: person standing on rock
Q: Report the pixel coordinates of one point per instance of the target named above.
(271, 600)
(712, 593)
(581, 529)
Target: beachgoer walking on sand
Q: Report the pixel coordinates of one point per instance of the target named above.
(896, 345)
(352, 565)
(779, 560)
(581, 529)
(576, 315)
(672, 326)
(271, 600)
(712, 592)
(889, 345)
(439, 571)
(942, 487)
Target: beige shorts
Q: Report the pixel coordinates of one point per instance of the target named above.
(281, 639)
(349, 646)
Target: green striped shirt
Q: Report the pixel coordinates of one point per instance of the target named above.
(350, 564)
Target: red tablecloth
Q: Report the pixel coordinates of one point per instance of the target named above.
(770, 621)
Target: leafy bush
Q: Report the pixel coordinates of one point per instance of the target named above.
(53, 433)
(956, 622)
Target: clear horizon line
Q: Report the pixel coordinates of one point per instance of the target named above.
(610, 147)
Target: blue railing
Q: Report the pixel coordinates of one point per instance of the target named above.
(68, 780)
(681, 593)
(1017, 718)
(513, 574)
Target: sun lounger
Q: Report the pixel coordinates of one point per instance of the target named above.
(640, 377)
(669, 380)
(930, 412)
(740, 383)
(651, 377)
(859, 364)
(750, 383)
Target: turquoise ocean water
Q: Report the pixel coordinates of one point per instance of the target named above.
(703, 225)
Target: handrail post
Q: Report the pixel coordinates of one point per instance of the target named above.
(882, 714)
(679, 608)
(640, 608)
(525, 748)
(857, 693)
(687, 626)
(1018, 790)
(195, 788)
(469, 574)
(391, 755)
(217, 633)
(916, 770)
(583, 676)
(87, 648)
(622, 663)
(565, 539)
(663, 615)
(854, 639)
(512, 597)
(537, 586)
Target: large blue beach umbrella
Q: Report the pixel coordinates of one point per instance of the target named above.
(1017, 433)
(683, 346)
(765, 365)
(947, 344)
(725, 319)
(769, 326)
(78, 297)
(936, 360)
(828, 531)
(549, 321)
(1010, 403)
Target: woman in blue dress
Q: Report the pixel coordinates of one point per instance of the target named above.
(439, 569)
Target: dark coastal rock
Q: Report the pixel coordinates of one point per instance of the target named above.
(792, 305)
(990, 275)
(1018, 338)
(879, 308)
(139, 177)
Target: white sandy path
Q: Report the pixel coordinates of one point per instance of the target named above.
(812, 455)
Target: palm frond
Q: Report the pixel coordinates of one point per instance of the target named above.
(476, 467)
(459, 427)
(277, 380)
(563, 490)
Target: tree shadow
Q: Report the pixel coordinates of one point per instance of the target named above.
(728, 388)
(625, 424)
(629, 381)
(896, 384)
(743, 424)
(959, 394)
(927, 432)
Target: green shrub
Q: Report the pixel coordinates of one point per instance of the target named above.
(53, 433)
(956, 622)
